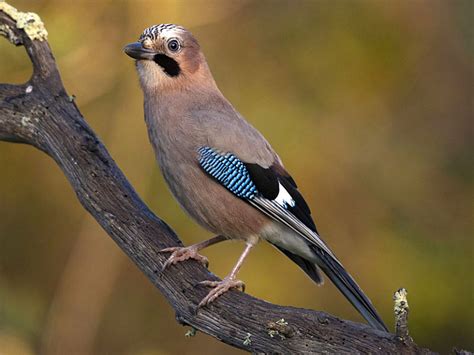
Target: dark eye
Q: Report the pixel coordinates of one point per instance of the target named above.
(173, 45)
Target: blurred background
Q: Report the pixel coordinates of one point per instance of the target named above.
(369, 104)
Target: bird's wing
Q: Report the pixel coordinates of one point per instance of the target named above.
(272, 191)
(268, 189)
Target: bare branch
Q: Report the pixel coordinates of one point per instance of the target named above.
(40, 113)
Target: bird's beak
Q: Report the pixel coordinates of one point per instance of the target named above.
(137, 51)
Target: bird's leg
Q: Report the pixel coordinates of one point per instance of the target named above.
(184, 253)
(230, 281)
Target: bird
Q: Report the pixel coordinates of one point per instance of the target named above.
(222, 171)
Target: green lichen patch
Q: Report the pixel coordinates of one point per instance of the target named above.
(7, 32)
(280, 328)
(247, 341)
(401, 301)
(28, 21)
(191, 332)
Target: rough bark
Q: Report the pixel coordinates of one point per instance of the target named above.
(41, 113)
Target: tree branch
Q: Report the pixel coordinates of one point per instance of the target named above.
(401, 310)
(40, 113)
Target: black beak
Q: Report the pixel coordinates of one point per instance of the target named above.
(137, 51)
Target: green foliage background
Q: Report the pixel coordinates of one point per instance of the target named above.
(369, 104)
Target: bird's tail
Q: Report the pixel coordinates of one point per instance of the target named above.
(308, 267)
(346, 284)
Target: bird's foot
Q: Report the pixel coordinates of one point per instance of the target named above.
(183, 253)
(219, 288)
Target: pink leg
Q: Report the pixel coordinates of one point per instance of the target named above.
(184, 253)
(230, 281)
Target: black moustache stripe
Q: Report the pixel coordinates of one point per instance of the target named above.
(169, 65)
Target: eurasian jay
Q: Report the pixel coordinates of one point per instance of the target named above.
(222, 171)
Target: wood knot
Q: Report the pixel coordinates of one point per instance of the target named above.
(89, 143)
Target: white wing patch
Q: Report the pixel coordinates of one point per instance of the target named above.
(284, 199)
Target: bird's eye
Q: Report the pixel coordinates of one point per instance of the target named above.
(173, 45)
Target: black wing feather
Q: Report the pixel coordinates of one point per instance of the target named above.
(301, 208)
(264, 179)
(267, 182)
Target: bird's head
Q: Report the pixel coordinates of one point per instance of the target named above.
(168, 56)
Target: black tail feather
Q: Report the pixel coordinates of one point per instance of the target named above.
(308, 267)
(346, 284)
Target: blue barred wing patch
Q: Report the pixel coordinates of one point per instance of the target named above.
(227, 169)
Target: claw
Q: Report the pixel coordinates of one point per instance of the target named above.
(219, 288)
(181, 254)
(169, 250)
